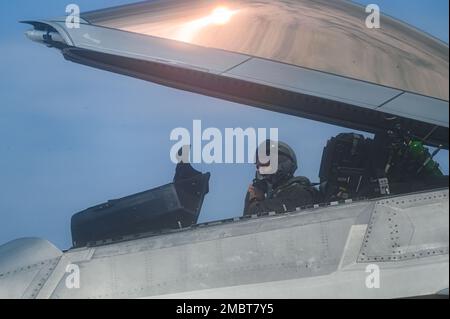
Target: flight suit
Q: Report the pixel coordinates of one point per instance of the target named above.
(296, 192)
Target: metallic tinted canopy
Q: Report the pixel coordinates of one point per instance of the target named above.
(329, 36)
(312, 59)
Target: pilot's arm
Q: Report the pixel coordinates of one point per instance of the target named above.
(287, 200)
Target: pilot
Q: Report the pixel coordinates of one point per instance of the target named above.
(277, 190)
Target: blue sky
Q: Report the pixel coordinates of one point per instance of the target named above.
(72, 137)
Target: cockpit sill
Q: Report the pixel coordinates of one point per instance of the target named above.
(309, 209)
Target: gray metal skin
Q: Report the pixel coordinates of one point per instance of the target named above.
(318, 252)
(353, 77)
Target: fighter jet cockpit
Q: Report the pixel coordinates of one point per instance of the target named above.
(358, 104)
(353, 167)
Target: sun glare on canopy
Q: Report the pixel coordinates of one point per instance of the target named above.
(219, 16)
(298, 33)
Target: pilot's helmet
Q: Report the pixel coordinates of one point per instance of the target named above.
(287, 162)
